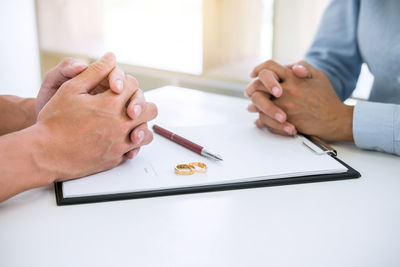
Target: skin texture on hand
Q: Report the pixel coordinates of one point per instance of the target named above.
(16, 113)
(84, 128)
(67, 69)
(307, 104)
(99, 135)
(53, 79)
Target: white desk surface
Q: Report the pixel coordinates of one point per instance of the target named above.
(342, 223)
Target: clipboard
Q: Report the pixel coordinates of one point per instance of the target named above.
(309, 144)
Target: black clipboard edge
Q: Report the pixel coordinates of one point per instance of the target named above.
(350, 174)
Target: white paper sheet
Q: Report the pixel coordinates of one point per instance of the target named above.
(249, 154)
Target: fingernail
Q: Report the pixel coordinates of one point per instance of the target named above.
(135, 152)
(78, 64)
(276, 91)
(288, 130)
(140, 135)
(279, 117)
(138, 110)
(246, 94)
(299, 66)
(119, 84)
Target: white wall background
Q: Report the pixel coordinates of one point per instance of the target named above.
(295, 23)
(19, 52)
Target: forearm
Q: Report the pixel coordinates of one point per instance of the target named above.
(20, 165)
(16, 113)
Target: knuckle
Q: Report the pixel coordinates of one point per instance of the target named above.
(98, 67)
(288, 105)
(271, 110)
(153, 110)
(118, 71)
(256, 96)
(117, 74)
(273, 130)
(133, 81)
(262, 117)
(66, 61)
(263, 74)
(111, 103)
(149, 138)
(138, 97)
(251, 87)
(265, 119)
(257, 85)
(116, 104)
(105, 64)
(69, 84)
(268, 78)
(130, 111)
(48, 74)
(127, 130)
(269, 63)
(131, 133)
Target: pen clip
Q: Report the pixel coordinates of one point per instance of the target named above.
(317, 145)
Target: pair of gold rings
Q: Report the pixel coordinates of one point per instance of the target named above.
(191, 168)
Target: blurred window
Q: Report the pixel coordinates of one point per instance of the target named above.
(189, 36)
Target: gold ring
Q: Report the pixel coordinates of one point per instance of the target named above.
(184, 169)
(198, 166)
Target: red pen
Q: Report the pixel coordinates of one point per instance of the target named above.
(186, 143)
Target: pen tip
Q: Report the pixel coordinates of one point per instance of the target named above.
(218, 157)
(208, 154)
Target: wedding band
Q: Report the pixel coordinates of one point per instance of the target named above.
(198, 166)
(184, 169)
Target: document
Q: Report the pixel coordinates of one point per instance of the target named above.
(249, 154)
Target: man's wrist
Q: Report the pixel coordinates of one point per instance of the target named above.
(23, 167)
(28, 105)
(41, 158)
(346, 124)
(16, 113)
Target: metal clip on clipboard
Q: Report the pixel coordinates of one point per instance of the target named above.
(317, 145)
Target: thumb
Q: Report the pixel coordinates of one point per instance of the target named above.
(93, 75)
(68, 68)
(301, 70)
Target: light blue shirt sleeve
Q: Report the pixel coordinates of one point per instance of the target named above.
(377, 126)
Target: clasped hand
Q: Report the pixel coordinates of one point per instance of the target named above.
(90, 118)
(298, 98)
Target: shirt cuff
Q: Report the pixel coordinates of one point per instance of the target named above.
(374, 126)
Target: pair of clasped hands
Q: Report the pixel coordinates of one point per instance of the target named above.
(289, 99)
(298, 98)
(90, 118)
